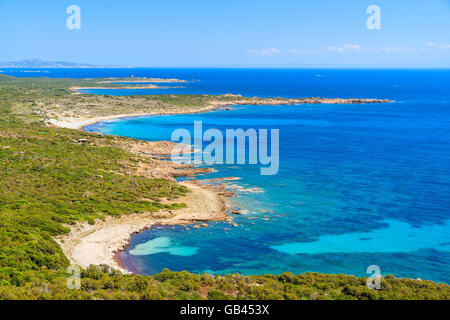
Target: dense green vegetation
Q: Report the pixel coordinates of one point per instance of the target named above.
(49, 179)
(103, 283)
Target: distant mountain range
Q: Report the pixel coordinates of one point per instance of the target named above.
(39, 63)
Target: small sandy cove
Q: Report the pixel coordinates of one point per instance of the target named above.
(98, 244)
(80, 123)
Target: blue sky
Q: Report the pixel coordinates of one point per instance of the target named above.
(201, 33)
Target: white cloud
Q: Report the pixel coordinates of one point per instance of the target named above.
(435, 45)
(298, 52)
(351, 48)
(265, 52)
(348, 48)
(354, 47)
(393, 50)
(338, 49)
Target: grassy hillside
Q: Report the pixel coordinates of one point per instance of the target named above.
(49, 180)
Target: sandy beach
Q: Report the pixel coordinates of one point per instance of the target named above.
(98, 244)
(80, 123)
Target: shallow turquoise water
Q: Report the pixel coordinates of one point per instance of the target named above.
(162, 245)
(359, 185)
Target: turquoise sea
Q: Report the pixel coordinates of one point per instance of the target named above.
(358, 185)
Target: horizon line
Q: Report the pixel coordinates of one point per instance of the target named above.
(237, 67)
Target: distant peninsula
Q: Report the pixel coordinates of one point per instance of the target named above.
(39, 63)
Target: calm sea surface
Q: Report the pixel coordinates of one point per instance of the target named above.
(359, 185)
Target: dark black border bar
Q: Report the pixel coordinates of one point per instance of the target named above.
(222, 309)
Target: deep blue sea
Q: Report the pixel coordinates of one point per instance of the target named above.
(358, 185)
